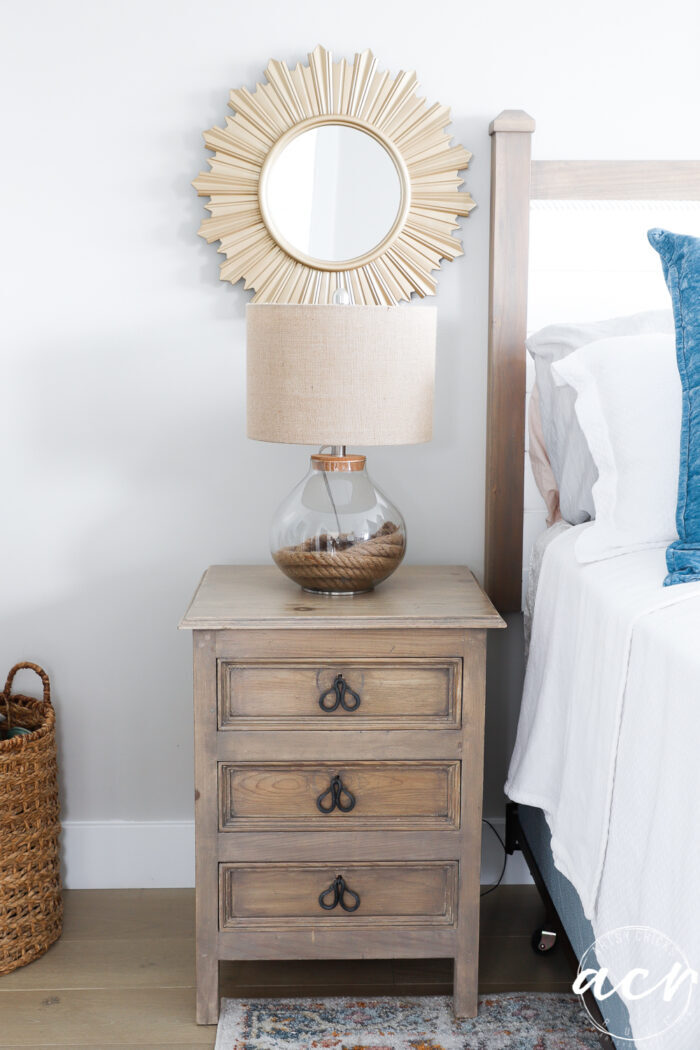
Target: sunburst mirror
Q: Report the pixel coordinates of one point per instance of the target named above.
(334, 177)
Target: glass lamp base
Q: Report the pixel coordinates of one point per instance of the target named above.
(336, 533)
(337, 594)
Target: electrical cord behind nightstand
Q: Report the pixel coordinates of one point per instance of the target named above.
(505, 859)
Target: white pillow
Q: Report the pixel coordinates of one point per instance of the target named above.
(566, 447)
(628, 404)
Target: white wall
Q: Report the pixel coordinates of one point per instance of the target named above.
(125, 466)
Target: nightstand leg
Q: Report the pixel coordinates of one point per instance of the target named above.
(206, 827)
(466, 985)
(466, 964)
(207, 989)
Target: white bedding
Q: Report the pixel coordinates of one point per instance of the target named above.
(539, 549)
(609, 744)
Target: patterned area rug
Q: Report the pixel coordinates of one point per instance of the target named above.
(505, 1022)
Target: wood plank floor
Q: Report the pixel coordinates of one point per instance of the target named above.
(122, 975)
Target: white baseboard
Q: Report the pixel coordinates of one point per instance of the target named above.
(124, 854)
(127, 854)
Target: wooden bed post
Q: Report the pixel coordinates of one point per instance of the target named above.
(505, 442)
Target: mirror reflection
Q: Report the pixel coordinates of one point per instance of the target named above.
(333, 193)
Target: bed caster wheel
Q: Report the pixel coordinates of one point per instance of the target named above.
(543, 942)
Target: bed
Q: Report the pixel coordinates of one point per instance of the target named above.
(610, 849)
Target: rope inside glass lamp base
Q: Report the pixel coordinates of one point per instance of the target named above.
(346, 567)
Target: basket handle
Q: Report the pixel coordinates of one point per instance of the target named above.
(7, 692)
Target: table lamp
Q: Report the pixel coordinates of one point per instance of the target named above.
(334, 376)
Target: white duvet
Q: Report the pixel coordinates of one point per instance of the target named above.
(608, 746)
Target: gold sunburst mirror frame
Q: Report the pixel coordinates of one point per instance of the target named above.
(354, 95)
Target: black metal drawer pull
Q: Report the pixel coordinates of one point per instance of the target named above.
(336, 790)
(338, 891)
(341, 691)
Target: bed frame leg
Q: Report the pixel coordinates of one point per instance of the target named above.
(512, 828)
(516, 841)
(552, 931)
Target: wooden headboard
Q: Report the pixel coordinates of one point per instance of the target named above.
(515, 181)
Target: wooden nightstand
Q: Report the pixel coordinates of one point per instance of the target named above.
(338, 771)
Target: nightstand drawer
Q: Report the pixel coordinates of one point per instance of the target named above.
(350, 796)
(410, 893)
(410, 693)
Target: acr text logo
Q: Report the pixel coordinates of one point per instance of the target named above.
(646, 971)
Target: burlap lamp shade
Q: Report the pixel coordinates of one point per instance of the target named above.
(340, 375)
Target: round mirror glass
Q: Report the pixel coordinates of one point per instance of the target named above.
(333, 193)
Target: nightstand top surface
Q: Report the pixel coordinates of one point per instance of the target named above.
(260, 596)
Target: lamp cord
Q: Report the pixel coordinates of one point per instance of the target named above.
(505, 859)
(330, 497)
(328, 489)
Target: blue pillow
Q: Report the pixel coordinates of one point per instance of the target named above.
(680, 258)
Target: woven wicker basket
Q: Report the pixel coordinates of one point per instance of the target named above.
(31, 906)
